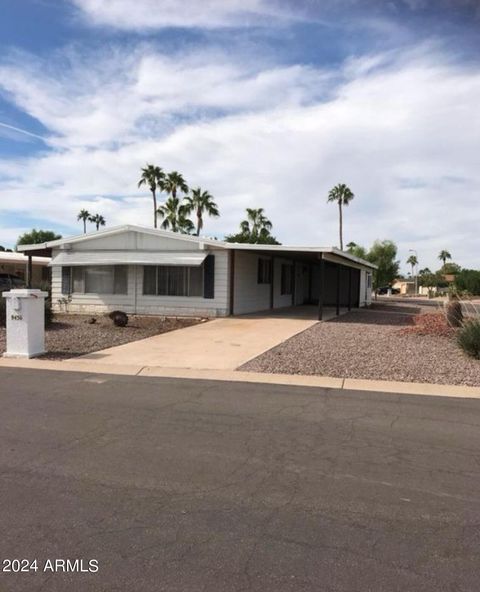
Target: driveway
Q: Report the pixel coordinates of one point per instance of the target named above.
(189, 486)
(221, 344)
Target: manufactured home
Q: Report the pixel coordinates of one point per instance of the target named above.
(155, 272)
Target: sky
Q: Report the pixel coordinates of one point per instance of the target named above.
(264, 103)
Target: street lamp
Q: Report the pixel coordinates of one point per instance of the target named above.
(416, 271)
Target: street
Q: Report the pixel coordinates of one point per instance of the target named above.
(178, 485)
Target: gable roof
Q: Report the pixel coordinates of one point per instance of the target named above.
(201, 241)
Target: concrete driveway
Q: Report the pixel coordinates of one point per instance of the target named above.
(221, 344)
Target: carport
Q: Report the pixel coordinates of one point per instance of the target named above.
(324, 277)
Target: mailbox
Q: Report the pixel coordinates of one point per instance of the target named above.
(25, 323)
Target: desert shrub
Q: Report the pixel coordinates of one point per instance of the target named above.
(119, 318)
(468, 338)
(454, 312)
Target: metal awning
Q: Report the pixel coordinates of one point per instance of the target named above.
(69, 258)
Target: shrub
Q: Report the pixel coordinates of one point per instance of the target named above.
(454, 312)
(468, 280)
(119, 318)
(468, 338)
(48, 312)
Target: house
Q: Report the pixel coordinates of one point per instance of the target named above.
(17, 264)
(146, 271)
(405, 287)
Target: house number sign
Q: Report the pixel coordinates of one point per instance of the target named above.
(16, 317)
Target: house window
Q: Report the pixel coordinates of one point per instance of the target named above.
(286, 280)
(264, 271)
(101, 279)
(169, 280)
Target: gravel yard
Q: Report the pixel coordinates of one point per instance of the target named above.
(370, 344)
(71, 335)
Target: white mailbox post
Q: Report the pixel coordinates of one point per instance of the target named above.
(25, 323)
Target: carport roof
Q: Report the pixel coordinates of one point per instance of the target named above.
(203, 243)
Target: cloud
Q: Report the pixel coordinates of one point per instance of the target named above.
(157, 14)
(397, 127)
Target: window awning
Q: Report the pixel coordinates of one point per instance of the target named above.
(67, 259)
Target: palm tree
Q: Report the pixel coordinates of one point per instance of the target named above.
(443, 256)
(174, 214)
(256, 223)
(413, 261)
(174, 182)
(202, 203)
(153, 177)
(98, 220)
(84, 215)
(342, 195)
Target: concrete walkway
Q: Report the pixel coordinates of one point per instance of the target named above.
(221, 344)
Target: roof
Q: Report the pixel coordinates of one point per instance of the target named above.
(201, 241)
(13, 257)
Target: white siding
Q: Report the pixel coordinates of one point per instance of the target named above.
(365, 292)
(131, 241)
(249, 296)
(280, 300)
(136, 303)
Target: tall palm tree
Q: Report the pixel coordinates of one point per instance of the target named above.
(342, 195)
(84, 216)
(413, 261)
(174, 182)
(256, 222)
(174, 214)
(98, 220)
(153, 177)
(443, 256)
(201, 202)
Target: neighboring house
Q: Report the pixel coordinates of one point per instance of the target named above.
(145, 271)
(16, 264)
(405, 286)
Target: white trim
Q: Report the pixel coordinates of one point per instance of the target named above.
(76, 258)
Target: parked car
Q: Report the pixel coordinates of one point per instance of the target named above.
(8, 281)
(384, 290)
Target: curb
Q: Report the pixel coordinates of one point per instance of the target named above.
(350, 384)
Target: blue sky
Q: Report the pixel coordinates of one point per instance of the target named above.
(265, 103)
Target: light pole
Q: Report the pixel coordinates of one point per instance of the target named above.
(416, 270)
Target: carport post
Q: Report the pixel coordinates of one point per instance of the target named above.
(338, 290)
(322, 286)
(29, 272)
(349, 288)
(272, 271)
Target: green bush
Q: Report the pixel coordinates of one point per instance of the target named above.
(468, 280)
(468, 338)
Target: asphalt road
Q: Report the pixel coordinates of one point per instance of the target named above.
(176, 485)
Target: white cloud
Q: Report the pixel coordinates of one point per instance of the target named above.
(155, 14)
(400, 129)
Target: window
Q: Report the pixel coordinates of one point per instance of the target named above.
(286, 281)
(165, 280)
(264, 271)
(100, 279)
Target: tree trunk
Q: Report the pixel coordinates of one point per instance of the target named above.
(199, 222)
(84, 226)
(340, 224)
(154, 209)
